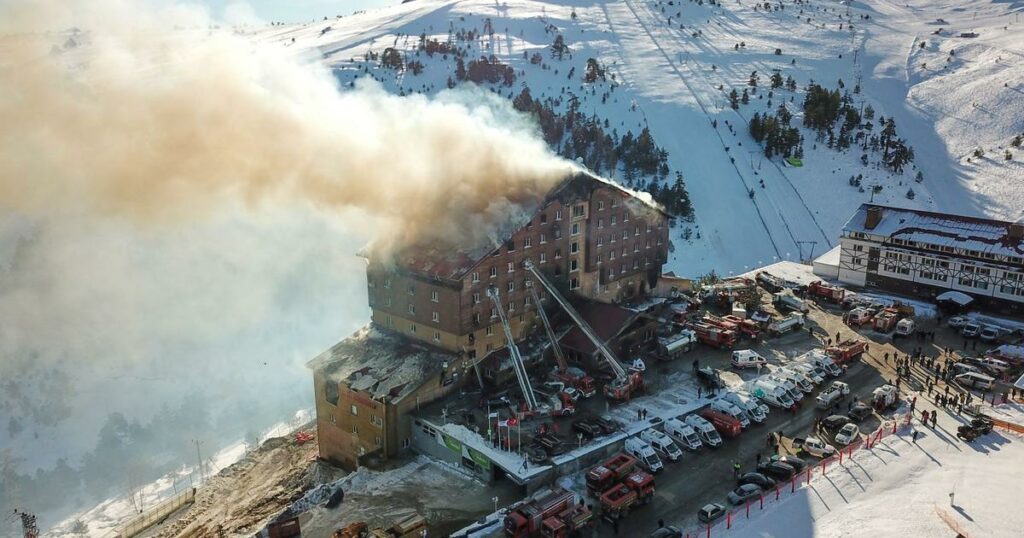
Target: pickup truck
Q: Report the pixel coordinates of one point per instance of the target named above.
(814, 447)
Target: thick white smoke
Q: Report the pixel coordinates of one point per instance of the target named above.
(180, 209)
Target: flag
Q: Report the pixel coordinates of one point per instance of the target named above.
(493, 415)
(512, 421)
(504, 423)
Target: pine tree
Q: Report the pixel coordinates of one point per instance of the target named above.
(734, 99)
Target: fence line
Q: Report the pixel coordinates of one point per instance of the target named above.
(775, 497)
(156, 514)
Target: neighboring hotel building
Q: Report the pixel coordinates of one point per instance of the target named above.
(433, 323)
(923, 253)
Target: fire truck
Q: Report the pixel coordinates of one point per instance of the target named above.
(610, 471)
(747, 327)
(636, 488)
(846, 351)
(550, 512)
(822, 290)
(726, 425)
(713, 336)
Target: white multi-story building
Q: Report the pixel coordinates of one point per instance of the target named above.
(924, 253)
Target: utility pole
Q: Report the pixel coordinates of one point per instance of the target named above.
(199, 460)
(29, 528)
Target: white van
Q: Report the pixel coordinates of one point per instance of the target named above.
(733, 411)
(683, 434)
(810, 371)
(905, 327)
(747, 358)
(788, 385)
(757, 412)
(801, 381)
(661, 444)
(772, 394)
(995, 363)
(825, 362)
(644, 453)
(708, 434)
(974, 380)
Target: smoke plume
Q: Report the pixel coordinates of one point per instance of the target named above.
(125, 115)
(179, 206)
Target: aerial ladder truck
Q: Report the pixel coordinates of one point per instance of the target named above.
(572, 377)
(513, 351)
(624, 384)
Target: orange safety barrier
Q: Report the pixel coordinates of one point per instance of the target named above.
(1011, 426)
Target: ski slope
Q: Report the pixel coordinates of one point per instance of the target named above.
(673, 66)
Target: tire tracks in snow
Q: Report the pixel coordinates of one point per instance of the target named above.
(697, 74)
(708, 115)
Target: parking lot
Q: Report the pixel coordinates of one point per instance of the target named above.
(707, 475)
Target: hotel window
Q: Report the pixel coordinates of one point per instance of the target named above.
(377, 440)
(543, 239)
(625, 216)
(600, 205)
(376, 422)
(574, 283)
(355, 430)
(625, 234)
(494, 272)
(574, 247)
(511, 307)
(476, 318)
(511, 245)
(611, 254)
(636, 230)
(577, 210)
(433, 296)
(613, 220)
(558, 253)
(412, 290)
(600, 241)
(600, 223)
(387, 283)
(557, 232)
(494, 313)
(435, 317)
(490, 329)
(412, 309)
(636, 263)
(476, 276)
(543, 257)
(648, 227)
(527, 242)
(412, 328)
(437, 336)
(511, 267)
(476, 298)
(636, 247)
(354, 410)
(511, 286)
(647, 244)
(389, 321)
(575, 228)
(622, 268)
(543, 218)
(558, 214)
(573, 265)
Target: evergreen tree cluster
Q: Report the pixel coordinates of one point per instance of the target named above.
(485, 70)
(776, 133)
(577, 136)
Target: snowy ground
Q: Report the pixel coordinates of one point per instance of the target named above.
(903, 489)
(669, 80)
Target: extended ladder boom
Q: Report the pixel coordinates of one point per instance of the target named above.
(610, 358)
(513, 351)
(562, 365)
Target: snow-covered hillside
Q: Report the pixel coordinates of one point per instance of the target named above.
(671, 65)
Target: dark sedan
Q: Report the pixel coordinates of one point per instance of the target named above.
(777, 470)
(757, 479)
(859, 412)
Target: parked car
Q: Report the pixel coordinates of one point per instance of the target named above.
(957, 322)
(814, 446)
(974, 380)
(587, 427)
(833, 423)
(847, 434)
(970, 330)
(777, 470)
(710, 512)
(667, 532)
(607, 426)
(798, 464)
(743, 493)
(859, 412)
(989, 334)
(756, 478)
